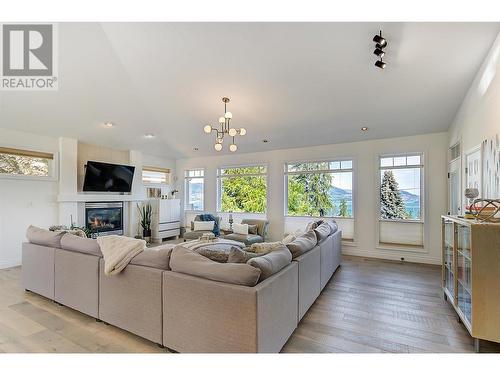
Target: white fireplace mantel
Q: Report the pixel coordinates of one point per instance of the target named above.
(100, 198)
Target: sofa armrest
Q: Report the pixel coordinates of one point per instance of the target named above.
(277, 309)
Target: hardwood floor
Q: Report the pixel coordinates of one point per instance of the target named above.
(370, 306)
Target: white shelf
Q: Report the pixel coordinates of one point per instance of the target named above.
(99, 198)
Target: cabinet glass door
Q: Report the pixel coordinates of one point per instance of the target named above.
(464, 271)
(449, 281)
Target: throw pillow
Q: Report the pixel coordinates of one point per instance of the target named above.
(252, 228)
(264, 247)
(219, 256)
(237, 255)
(204, 225)
(289, 238)
(240, 228)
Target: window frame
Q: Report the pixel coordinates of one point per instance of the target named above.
(188, 178)
(219, 178)
(422, 187)
(331, 160)
(51, 155)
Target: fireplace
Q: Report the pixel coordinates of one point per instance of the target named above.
(104, 218)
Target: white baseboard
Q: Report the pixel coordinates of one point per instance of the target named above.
(9, 263)
(409, 257)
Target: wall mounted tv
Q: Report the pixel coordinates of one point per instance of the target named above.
(104, 177)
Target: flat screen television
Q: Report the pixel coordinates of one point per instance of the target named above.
(105, 177)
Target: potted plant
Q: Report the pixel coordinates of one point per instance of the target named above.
(145, 213)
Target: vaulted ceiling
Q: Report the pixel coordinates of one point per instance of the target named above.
(296, 84)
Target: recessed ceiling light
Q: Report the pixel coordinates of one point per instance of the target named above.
(364, 128)
(265, 140)
(149, 136)
(108, 124)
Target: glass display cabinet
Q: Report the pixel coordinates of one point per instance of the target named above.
(471, 274)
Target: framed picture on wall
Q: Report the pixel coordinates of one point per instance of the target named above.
(473, 169)
(490, 155)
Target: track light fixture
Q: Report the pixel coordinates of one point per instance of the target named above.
(379, 52)
(380, 44)
(380, 40)
(380, 64)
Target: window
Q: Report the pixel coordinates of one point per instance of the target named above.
(242, 189)
(155, 175)
(401, 187)
(319, 188)
(15, 162)
(401, 200)
(194, 189)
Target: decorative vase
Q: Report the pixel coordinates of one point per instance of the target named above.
(146, 235)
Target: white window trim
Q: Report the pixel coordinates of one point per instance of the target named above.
(219, 186)
(423, 199)
(335, 159)
(54, 167)
(186, 179)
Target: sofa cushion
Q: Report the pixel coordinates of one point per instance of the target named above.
(80, 244)
(271, 263)
(188, 262)
(303, 244)
(44, 237)
(322, 231)
(313, 225)
(154, 257)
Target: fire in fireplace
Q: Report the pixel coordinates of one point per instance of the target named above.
(104, 218)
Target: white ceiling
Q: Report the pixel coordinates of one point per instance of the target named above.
(296, 84)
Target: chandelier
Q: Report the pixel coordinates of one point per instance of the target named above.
(225, 129)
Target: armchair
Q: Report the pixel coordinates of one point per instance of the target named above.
(195, 234)
(250, 238)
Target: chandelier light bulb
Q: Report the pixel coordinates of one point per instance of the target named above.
(207, 129)
(243, 131)
(218, 147)
(233, 147)
(228, 115)
(232, 132)
(222, 120)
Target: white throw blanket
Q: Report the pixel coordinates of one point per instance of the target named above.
(118, 251)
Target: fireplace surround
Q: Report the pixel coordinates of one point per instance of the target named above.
(104, 218)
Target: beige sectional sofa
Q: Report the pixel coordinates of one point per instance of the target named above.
(182, 301)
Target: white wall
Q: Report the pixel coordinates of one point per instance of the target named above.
(24, 201)
(479, 115)
(366, 174)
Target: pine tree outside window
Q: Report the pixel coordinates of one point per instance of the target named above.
(401, 198)
(401, 188)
